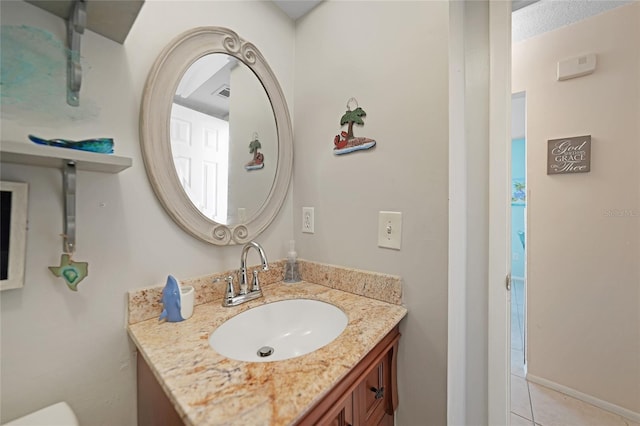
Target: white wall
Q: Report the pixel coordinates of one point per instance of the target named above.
(250, 111)
(583, 299)
(393, 58)
(518, 115)
(61, 345)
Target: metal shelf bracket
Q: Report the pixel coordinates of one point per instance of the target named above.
(76, 24)
(69, 188)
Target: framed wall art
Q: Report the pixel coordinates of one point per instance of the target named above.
(569, 155)
(13, 233)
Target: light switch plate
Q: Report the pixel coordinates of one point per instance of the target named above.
(390, 230)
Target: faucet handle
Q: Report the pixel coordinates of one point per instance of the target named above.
(256, 282)
(230, 291)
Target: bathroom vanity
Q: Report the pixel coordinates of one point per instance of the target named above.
(367, 395)
(350, 381)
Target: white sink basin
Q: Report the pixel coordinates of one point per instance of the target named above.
(279, 330)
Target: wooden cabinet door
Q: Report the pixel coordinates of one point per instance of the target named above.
(372, 392)
(377, 392)
(352, 401)
(340, 414)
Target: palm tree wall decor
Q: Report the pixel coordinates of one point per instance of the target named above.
(258, 158)
(346, 142)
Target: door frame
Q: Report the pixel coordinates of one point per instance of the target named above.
(495, 392)
(499, 352)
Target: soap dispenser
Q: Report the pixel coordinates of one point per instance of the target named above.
(291, 271)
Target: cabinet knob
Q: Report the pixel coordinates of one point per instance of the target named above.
(378, 391)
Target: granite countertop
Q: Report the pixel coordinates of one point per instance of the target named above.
(206, 388)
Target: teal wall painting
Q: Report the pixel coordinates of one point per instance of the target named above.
(33, 78)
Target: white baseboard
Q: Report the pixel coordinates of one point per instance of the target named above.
(624, 412)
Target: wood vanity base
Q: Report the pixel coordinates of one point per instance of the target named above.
(154, 407)
(366, 396)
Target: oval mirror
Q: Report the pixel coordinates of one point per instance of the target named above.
(216, 136)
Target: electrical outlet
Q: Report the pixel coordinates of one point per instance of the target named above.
(242, 214)
(390, 230)
(307, 220)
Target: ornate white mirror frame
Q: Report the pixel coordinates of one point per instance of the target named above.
(155, 115)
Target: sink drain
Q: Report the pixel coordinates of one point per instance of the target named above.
(265, 351)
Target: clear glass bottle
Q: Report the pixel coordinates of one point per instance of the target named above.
(291, 270)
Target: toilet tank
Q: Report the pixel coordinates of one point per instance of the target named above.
(59, 414)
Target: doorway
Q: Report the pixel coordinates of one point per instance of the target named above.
(572, 344)
(520, 405)
(518, 233)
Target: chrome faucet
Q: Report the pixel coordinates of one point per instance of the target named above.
(243, 267)
(245, 294)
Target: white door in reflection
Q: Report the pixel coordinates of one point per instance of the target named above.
(200, 149)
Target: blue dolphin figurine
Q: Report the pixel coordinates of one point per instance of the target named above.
(171, 301)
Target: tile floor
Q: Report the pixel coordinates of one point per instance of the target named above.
(533, 404)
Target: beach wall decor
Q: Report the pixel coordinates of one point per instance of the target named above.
(257, 162)
(346, 142)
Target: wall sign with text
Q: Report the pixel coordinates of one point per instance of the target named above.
(569, 155)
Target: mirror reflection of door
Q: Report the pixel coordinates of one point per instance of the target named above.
(200, 134)
(211, 134)
(200, 148)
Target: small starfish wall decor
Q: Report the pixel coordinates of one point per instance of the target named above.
(72, 272)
